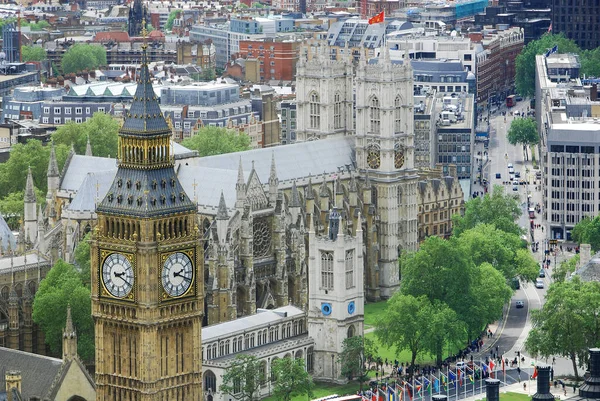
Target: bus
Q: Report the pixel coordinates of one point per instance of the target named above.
(510, 101)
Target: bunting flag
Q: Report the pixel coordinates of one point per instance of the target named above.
(436, 385)
(409, 391)
(444, 380)
(535, 373)
(391, 394)
(428, 387)
(492, 365)
(503, 367)
(377, 19)
(550, 27)
(460, 376)
(471, 379)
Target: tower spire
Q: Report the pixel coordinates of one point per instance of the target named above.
(222, 212)
(52, 163)
(69, 338)
(29, 191)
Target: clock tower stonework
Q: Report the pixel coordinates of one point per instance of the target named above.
(147, 268)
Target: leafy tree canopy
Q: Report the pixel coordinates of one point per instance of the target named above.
(243, 377)
(525, 61)
(568, 323)
(291, 379)
(523, 131)
(62, 287)
(33, 53)
(566, 267)
(357, 351)
(36, 26)
(172, 16)
(102, 130)
(22, 156)
(587, 231)
(211, 141)
(83, 57)
(497, 208)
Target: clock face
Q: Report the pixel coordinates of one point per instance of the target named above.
(117, 275)
(398, 158)
(373, 158)
(177, 274)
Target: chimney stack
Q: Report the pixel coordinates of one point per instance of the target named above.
(591, 386)
(543, 384)
(13, 381)
(492, 389)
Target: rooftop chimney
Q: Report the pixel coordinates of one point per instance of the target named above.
(585, 254)
(591, 386)
(543, 384)
(13, 381)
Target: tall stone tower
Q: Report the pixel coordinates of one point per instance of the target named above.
(324, 95)
(385, 152)
(335, 305)
(138, 16)
(147, 267)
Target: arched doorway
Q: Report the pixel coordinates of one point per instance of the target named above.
(351, 331)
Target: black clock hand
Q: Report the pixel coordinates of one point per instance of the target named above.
(178, 274)
(120, 275)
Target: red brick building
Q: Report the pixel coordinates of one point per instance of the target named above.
(276, 59)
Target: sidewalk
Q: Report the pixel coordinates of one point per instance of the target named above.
(531, 390)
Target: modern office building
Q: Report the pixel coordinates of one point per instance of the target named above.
(568, 115)
(218, 35)
(579, 21)
(287, 113)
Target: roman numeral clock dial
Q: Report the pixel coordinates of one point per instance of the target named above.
(177, 274)
(117, 275)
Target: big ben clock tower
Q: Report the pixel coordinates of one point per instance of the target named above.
(147, 268)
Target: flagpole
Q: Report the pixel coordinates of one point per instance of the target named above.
(448, 382)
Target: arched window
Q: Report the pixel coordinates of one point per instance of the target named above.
(263, 373)
(374, 116)
(327, 270)
(351, 331)
(397, 114)
(315, 111)
(272, 371)
(210, 381)
(337, 111)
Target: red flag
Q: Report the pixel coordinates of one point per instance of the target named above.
(409, 391)
(503, 367)
(492, 365)
(377, 19)
(535, 372)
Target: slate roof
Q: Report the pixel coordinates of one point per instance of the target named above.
(247, 323)
(93, 189)
(21, 262)
(209, 184)
(37, 371)
(591, 270)
(78, 168)
(293, 161)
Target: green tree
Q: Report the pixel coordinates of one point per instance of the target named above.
(564, 270)
(22, 156)
(172, 16)
(444, 328)
(523, 131)
(211, 141)
(525, 61)
(291, 379)
(406, 324)
(33, 53)
(12, 207)
(568, 323)
(243, 378)
(82, 259)
(62, 287)
(497, 208)
(357, 351)
(590, 62)
(36, 26)
(587, 231)
(83, 57)
(102, 130)
(526, 267)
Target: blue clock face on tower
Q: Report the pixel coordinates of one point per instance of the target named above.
(351, 307)
(326, 309)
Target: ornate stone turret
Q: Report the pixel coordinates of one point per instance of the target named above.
(294, 206)
(222, 221)
(273, 181)
(240, 188)
(53, 174)
(27, 317)
(30, 215)
(69, 338)
(13, 314)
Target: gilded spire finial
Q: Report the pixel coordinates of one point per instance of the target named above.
(144, 31)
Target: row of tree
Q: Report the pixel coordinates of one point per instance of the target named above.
(451, 289)
(244, 377)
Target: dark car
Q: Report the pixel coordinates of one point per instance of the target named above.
(542, 273)
(518, 98)
(498, 175)
(520, 304)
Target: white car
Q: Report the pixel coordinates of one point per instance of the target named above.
(511, 170)
(510, 165)
(515, 187)
(539, 283)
